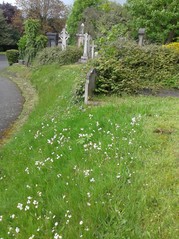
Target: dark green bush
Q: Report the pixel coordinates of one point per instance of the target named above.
(126, 67)
(12, 56)
(51, 55)
(71, 55)
(48, 55)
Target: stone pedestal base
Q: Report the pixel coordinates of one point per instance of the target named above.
(83, 59)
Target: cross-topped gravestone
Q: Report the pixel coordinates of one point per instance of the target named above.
(64, 37)
(84, 58)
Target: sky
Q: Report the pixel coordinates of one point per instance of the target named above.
(67, 2)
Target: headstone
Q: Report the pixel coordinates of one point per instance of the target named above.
(64, 36)
(52, 39)
(93, 46)
(141, 33)
(80, 36)
(89, 46)
(84, 58)
(90, 85)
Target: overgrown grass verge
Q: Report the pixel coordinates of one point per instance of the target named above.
(104, 172)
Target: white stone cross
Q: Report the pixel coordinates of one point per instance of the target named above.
(64, 37)
(86, 39)
(85, 56)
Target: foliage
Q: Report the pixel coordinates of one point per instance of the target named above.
(52, 55)
(99, 21)
(10, 12)
(32, 41)
(12, 56)
(173, 46)
(159, 17)
(124, 67)
(90, 172)
(48, 55)
(51, 14)
(17, 21)
(75, 18)
(6, 33)
(70, 55)
(22, 46)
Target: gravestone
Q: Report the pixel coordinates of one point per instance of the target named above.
(80, 36)
(84, 58)
(93, 46)
(64, 36)
(89, 39)
(141, 34)
(52, 39)
(90, 85)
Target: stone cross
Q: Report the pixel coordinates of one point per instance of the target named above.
(84, 58)
(141, 33)
(93, 46)
(64, 37)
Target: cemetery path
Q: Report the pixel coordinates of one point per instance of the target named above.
(11, 100)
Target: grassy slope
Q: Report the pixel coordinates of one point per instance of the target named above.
(94, 172)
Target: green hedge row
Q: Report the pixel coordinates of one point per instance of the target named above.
(126, 67)
(52, 55)
(12, 56)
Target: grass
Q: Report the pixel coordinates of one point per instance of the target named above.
(75, 171)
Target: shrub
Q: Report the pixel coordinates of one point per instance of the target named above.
(22, 46)
(71, 55)
(126, 67)
(48, 55)
(12, 56)
(51, 55)
(173, 46)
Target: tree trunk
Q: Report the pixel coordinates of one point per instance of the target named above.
(170, 37)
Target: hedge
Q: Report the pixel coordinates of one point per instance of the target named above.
(12, 56)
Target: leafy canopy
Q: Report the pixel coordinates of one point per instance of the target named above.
(6, 36)
(51, 14)
(159, 17)
(76, 15)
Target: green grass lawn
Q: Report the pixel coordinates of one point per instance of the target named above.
(93, 172)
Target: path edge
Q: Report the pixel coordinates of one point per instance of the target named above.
(30, 96)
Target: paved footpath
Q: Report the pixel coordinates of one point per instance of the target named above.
(11, 100)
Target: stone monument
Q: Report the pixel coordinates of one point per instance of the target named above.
(52, 39)
(141, 33)
(85, 56)
(80, 36)
(64, 36)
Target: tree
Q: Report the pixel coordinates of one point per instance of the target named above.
(99, 21)
(76, 16)
(32, 41)
(6, 36)
(50, 13)
(8, 11)
(14, 32)
(17, 21)
(159, 17)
